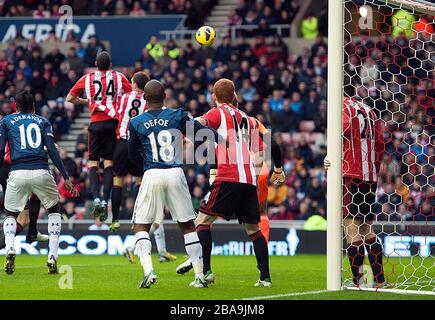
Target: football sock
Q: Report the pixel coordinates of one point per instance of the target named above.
(107, 183)
(194, 251)
(94, 182)
(3, 238)
(143, 250)
(261, 253)
(116, 202)
(204, 235)
(374, 250)
(159, 236)
(34, 206)
(54, 227)
(265, 227)
(9, 229)
(355, 253)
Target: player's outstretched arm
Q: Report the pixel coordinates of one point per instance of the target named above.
(75, 100)
(278, 176)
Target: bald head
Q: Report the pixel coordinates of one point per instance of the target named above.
(154, 93)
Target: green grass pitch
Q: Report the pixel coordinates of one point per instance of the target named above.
(112, 277)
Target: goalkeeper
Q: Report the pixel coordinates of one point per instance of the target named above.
(363, 147)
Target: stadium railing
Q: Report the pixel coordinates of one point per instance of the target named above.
(232, 31)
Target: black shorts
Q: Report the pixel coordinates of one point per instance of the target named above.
(228, 198)
(102, 140)
(359, 197)
(4, 174)
(121, 164)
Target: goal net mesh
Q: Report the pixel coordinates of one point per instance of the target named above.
(389, 61)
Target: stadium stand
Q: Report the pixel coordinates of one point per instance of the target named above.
(194, 10)
(283, 89)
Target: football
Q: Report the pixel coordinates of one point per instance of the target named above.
(206, 36)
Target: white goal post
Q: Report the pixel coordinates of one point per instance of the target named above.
(336, 57)
(334, 142)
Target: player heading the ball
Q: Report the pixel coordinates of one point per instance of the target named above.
(103, 88)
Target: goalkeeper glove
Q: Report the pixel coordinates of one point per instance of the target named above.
(213, 173)
(277, 177)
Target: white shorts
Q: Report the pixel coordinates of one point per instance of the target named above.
(162, 188)
(23, 183)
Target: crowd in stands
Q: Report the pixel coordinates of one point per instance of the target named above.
(263, 14)
(287, 92)
(195, 10)
(395, 77)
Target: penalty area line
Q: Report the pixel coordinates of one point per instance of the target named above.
(283, 295)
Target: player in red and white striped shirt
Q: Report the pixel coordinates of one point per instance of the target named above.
(363, 147)
(363, 144)
(132, 104)
(103, 88)
(234, 189)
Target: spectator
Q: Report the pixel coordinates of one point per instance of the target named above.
(74, 61)
(155, 49)
(276, 103)
(59, 118)
(52, 89)
(146, 60)
(305, 151)
(265, 20)
(247, 91)
(69, 163)
(285, 120)
(197, 196)
(93, 48)
(402, 22)
(40, 12)
(296, 104)
(317, 192)
(223, 52)
(310, 27)
(234, 19)
(137, 10)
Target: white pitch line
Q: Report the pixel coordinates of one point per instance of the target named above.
(290, 294)
(75, 265)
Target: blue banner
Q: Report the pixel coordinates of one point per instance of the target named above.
(127, 35)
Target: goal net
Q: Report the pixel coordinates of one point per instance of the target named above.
(388, 198)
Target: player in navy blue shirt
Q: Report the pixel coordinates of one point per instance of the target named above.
(156, 140)
(28, 135)
(157, 135)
